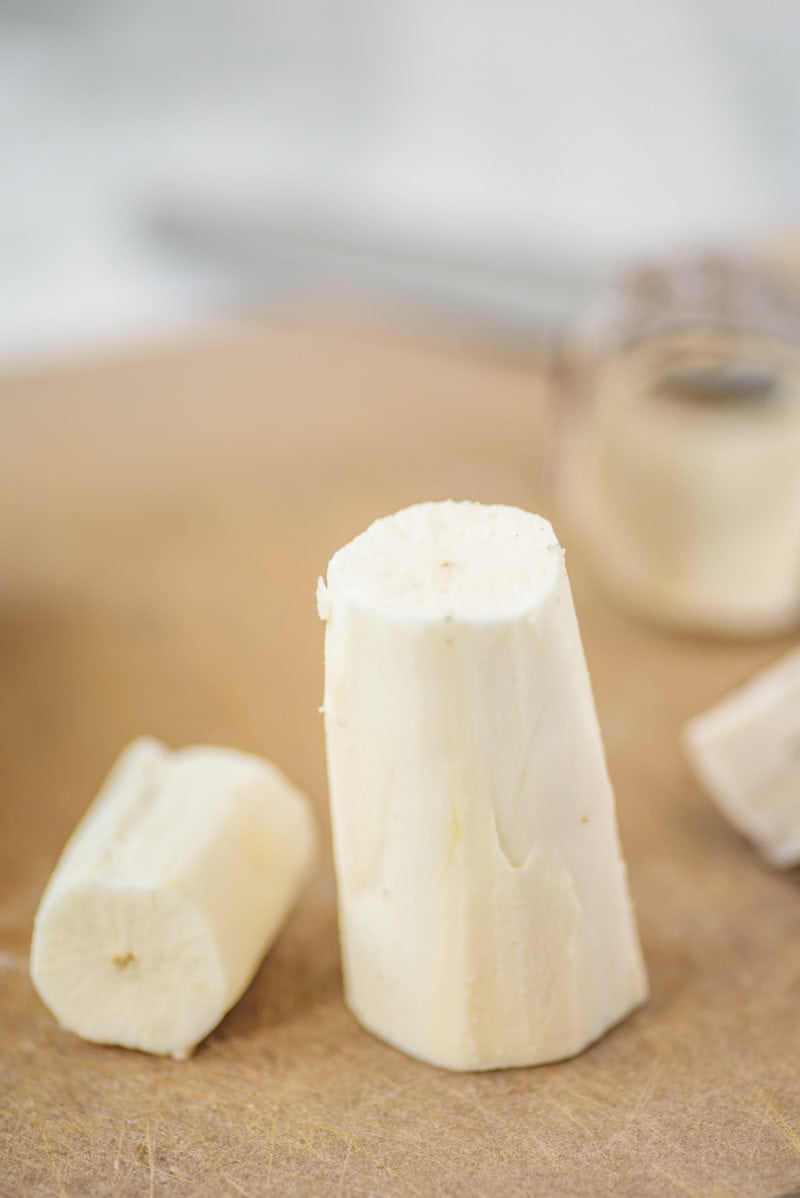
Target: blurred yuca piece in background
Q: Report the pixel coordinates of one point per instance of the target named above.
(746, 753)
(681, 467)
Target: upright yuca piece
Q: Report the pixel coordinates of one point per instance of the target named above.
(168, 894)
(484, 914)
(746, 753)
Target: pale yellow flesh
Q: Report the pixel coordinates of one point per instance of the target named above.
(746, 753)
(484, 912)
(168, 895)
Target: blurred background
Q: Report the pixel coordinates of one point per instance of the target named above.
(480, 162)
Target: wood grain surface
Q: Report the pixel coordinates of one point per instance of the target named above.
(164, 521)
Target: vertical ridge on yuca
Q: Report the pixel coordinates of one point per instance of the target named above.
(484, 912)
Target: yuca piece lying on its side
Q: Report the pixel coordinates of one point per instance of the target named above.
(168, 895)
(484, 911)
(746, 753)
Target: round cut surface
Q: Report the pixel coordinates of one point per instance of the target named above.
(457, 560)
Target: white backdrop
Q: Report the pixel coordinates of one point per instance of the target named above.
(161, 164)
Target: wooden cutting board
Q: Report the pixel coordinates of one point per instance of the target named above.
(164, 521)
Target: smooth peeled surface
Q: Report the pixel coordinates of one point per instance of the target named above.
(746, 753)
(484, 912)
(168, 894)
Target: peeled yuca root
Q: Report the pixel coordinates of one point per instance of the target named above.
(168, 894)
(746, 753)
(484, 913)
